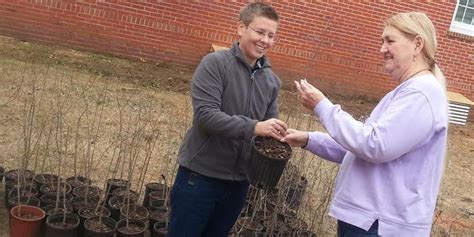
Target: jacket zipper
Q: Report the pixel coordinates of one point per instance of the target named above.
(247, 113)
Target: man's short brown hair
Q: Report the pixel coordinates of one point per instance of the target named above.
(252, 10)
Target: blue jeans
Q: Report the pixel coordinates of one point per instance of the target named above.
(347, 230)
(204, 206)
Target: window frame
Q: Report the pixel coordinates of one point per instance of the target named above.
(460, 27)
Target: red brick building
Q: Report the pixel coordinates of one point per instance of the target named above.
(343, 37)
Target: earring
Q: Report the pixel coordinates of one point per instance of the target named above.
(414, 58)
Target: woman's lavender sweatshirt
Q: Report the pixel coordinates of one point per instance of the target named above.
(391, 165)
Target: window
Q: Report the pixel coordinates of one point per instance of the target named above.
(463, 19)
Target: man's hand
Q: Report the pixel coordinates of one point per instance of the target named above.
(308, 94)
(296, 138)
(271, 128)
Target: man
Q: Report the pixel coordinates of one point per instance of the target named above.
(234, 96)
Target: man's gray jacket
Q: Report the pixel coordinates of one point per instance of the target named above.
(229, 98)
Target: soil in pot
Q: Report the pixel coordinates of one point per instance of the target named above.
(25, 221)
(115, 203)
(156, 204)
(14, 174)
(26, 191)
(113, 184)
(77, 181)
(159, 218)
(122, 191)
(51, 209)
(133, 211)
(77, 203)
(40, 179)
(267, 162)
(61, 225)
(32, 201)
(130, 228)
(150, 187)
(272, 148)
(53, 187)
(90, 191)
(52, 198)
(88, 212)
(99, 227)
(13, 184)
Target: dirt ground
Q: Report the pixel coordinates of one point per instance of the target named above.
(85, 83)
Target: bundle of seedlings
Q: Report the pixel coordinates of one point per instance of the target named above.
(65, 223)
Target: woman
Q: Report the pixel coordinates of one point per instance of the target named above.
(391, 165)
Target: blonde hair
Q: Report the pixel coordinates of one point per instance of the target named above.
(414, 24)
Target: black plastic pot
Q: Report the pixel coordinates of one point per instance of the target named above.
(2, 171)
(115, 203)
(137, 226)
(157, 204)
(40, 179)
(126, 192)
(32, 201)
(90, 191)
(136, 212)
(77, 181)
(296, 192)
(150, 187)
(100, 227)
(113, 184)
(26, 191)
(89, 212)
(14, 174)
(52, 210)
(77, 203)
(13, 184)
(264, 171)
(51, 198)
(158, 219)
(53, 187)
(159, 230)
(56, 228)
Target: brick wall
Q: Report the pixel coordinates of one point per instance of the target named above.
(345, 36)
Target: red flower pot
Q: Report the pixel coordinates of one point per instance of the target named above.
(25, 221)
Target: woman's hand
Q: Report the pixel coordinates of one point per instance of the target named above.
(296, 138)
(308, 94)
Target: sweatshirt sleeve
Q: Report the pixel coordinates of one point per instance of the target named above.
(405, 124)
(207, 86)
(322, 145)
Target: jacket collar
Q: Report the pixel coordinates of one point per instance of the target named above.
(261, 62)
